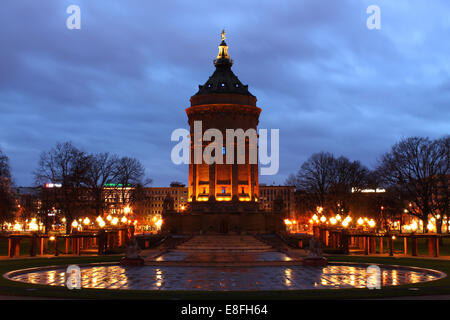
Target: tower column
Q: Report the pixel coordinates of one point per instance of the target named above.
(251, 179)
(234, 179)
(196, 179)
(193, 181)
(256, 180)
(212, 182)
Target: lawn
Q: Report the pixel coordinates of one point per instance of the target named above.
(25, 247)
(444, 247)
(8, 287)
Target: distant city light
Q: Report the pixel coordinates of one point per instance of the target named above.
(377, 190)
(53, 185)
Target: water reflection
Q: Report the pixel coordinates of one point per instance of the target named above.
(230, 278)
(288, 275)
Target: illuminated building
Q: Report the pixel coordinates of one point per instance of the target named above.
(269, 195)
(223, 195)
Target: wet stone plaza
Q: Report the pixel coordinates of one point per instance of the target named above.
(226, 278)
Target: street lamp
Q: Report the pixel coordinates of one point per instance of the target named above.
(360, 221)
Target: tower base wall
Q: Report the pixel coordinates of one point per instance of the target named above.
(222, 222)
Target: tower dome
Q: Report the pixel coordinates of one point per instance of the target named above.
(223, 81)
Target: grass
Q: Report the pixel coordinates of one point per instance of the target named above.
(25, 247)
(444, 247)
(8, 287)
(49, 247)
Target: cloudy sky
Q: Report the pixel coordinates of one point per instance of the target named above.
(121, 83)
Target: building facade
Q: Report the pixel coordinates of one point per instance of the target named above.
(268, 195)
(152, 204)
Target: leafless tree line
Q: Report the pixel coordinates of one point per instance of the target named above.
(417, 170)
(328, 181)
(91, 177)
(414, 171)
(6, 195)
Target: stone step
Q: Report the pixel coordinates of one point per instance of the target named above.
(223, 249)
(223, 243)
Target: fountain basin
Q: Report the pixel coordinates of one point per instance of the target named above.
(290, 277)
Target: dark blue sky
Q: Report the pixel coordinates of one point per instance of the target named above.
(121, 83)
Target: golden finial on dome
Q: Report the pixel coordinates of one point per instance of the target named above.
(223, 35)
(223, 48)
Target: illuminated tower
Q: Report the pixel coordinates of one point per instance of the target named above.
(223, 102)
(223, 195)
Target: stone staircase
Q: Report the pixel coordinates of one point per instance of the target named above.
(227, 243)
(223, 251)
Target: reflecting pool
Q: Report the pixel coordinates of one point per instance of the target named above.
(333, 276)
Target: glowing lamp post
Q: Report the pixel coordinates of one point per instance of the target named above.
(159, 223)
(75, 225)
(288, 224)
(360, 221)
(17, 226)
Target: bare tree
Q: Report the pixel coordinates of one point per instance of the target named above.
(5, 171)
(291, 180)
(316, 176)
(7, 203)
(414, 168)
(129, 174)
(67, 166)
(348, 177)
(329, 180)
(100, 177)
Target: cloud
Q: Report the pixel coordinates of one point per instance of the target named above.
(121, 83)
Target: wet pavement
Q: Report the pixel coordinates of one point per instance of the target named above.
(226, 278)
